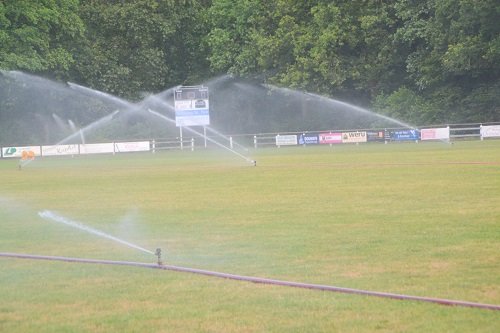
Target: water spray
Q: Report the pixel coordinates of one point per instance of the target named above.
(93, 125)
(253, 162)
(48, 215)
(92, 92)
(171, 108)
(336, 102)
(143, 104)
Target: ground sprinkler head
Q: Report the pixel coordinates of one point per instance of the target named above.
(254, 163)
(158, 254)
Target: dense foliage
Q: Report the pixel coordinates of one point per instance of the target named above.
(422, 62)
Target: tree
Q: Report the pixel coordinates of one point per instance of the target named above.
(453, 60)
(141, 45)
(445, 52)
(39, 36)
(341, 48)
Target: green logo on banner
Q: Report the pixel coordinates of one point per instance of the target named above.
(10, 151)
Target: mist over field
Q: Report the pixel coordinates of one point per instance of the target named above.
(348, 144)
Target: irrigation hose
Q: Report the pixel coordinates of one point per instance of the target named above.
(253, 279)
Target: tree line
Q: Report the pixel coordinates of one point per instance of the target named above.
(426, 61)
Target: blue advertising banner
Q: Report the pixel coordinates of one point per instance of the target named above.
(404, 135)
(308, 139)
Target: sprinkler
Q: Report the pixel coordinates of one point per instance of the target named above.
(254, 163)
(158, 254)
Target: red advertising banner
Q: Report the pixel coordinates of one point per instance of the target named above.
(329, 138)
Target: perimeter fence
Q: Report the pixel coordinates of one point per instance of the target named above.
(446, 133)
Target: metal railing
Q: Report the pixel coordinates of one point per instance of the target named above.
(470, 131)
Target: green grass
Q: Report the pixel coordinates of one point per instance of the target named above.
(417, 219)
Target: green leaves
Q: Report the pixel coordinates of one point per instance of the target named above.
(141, 45)
(405, 104)
(445, 53)
(38, 36)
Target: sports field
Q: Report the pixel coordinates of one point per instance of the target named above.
(416, 219)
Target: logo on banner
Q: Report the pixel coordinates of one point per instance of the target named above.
(404, 135)
(375, 135)
(329, 138)
(308, 139)
(10, 151)
(353, 137)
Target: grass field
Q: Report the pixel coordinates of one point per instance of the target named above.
(417, 219)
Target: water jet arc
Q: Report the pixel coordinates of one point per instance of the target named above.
(253, 279)
(48, 215)
(337, 102)
(249, 160)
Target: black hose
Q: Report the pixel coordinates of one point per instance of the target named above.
(253, 279)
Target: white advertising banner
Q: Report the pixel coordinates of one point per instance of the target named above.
(435, 133)
(18, 151)
(60, 150)
(97, 148)
(353, 137)
(286, 140)
(122, 147)
(491, 131)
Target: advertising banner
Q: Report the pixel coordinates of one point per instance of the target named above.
(122, 147)
(96, 148)
(191, 106)
(330, 138)
(404, 135)
(286, 140)
(18, 151)
(435, 133)
(353, 137)
(378, 136)
(308, 139)
(59, 150)
(491, 131)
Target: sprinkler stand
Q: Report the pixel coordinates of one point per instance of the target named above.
(158, 254)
